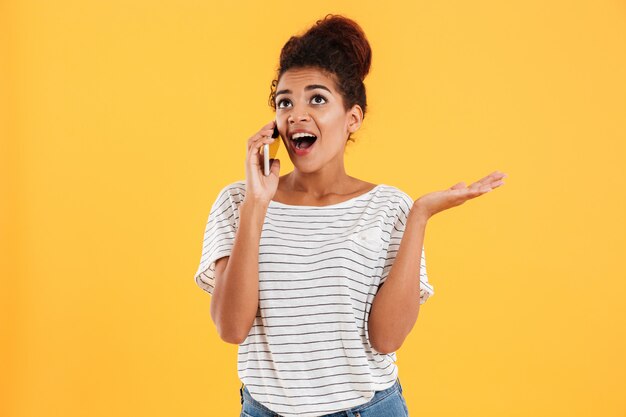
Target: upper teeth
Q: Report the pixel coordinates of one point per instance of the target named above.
(301, 135)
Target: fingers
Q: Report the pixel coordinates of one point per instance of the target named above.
(262, 134)
(255, 149)
(459, 193)
(492, 180)
(496, 175)
(259, 139)
(496, 184)
(485, 188)
(266, 130)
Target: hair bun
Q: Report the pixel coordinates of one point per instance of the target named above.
(344, 35)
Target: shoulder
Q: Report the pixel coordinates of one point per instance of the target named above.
(233, 192)
(233, 189)
(396, 196)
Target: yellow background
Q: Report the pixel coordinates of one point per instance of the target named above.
(121, 120)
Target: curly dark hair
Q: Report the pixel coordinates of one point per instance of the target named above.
(336, 45)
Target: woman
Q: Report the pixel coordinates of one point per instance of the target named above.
(296, 263)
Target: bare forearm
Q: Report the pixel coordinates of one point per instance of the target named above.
(396, 305)
(235, 299)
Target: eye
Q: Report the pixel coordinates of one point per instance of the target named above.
(319, 96)
(280, 101)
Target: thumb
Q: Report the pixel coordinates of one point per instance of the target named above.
(458, 185)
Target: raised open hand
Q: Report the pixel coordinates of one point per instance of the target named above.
(432, 203)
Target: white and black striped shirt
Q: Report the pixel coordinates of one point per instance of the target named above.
(308, 351)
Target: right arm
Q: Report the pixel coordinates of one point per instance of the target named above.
(235, 299)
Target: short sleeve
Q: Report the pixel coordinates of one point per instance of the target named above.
(219, 234)
(404, 206)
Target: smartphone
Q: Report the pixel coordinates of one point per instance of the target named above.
(269, 152)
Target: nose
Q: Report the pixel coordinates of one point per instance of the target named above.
(303, 116)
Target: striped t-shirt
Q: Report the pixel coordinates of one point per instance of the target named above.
(308, 351)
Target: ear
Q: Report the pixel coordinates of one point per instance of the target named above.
(355, 118)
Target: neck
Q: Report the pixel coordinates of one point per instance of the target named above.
(320, 183)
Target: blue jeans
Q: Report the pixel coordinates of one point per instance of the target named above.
(385, 403)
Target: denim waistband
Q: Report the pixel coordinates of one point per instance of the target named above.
(378, 395)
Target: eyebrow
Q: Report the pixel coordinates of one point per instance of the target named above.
(307, 88)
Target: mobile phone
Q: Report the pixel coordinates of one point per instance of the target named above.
(270, 151)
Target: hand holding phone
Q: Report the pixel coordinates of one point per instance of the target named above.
(270, 151)
(261, 188)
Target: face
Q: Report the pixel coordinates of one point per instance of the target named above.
(306, 99)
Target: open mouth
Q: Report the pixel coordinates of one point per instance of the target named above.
(303, 141)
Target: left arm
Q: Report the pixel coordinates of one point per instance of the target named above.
(396, 305)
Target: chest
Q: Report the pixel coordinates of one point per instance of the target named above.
(309, 256)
